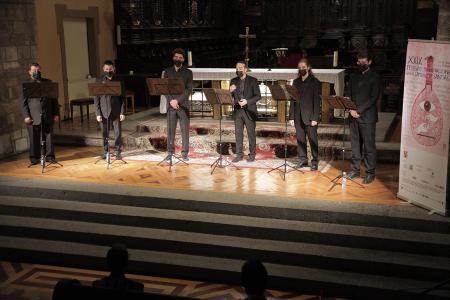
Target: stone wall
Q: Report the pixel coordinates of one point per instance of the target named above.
(17, 50)
(443, 30)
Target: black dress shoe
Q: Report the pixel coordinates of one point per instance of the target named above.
(238, 158)
(50, 159)
(314, 167)
(353, 175)
(369, 178)
(251, 158)
(118, 155)
(302, 164)
(104, 155)
(34, 162)
(184, 157)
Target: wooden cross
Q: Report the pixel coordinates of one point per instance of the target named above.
(247, 36)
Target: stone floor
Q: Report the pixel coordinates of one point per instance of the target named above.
(20, 281)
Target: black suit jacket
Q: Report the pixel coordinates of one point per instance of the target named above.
(308, 108)
(364, 90)
(119, 282)
(32, 108)
(251, 94)
(109, 106)
(187, 76)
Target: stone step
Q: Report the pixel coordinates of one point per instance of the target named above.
(346, 249)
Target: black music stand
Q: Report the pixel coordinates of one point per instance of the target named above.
(279, 94)
(106, 88)
(42, 89)
(339, 102)
(170, 87)
(221, 97)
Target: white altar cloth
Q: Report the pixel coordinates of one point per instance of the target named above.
(334, 76)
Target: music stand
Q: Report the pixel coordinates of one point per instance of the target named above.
(42, 89)
(171, 87)
(279, 94)
(339, 102)
(221, 97)
(106, 88)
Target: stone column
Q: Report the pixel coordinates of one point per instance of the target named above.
(443, 28)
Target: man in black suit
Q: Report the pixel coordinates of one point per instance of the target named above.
(364, 90)
(110, 108)
(304, 114)
(179, 105)
(32, 108)
(245, 91)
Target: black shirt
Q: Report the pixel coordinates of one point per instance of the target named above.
(250, 92)
(364, 90)
(32, 107)
(108, 106)
(185, 74)
(308, 108)
(119, 282)
(241, 88)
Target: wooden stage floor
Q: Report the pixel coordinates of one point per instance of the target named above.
(79, 165)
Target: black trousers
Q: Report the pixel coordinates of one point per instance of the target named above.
(34, 134)
(302, 131)
(242, 118)
(362, 136)
(117, 125)
(172, 119)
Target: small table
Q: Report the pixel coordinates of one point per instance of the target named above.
(80, 102)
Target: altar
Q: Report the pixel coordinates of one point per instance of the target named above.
(328, 77)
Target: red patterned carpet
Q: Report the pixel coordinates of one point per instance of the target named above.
(204, 137)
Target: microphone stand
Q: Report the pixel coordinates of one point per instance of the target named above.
(43, 144)
(108, 153)
(43, 160)
(219, 162)
(172, 156)
(283, 168)
(338, 179)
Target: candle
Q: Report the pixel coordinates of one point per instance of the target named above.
(190, 58)
(118, 35)
(335, 59)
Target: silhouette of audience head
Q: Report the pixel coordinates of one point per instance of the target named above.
(117, 262)
(254, 277)
(62, 287)
(117, 258)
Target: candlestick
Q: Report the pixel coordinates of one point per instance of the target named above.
(335, 59)
(190, 58)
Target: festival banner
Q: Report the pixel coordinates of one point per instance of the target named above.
(424, 151)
